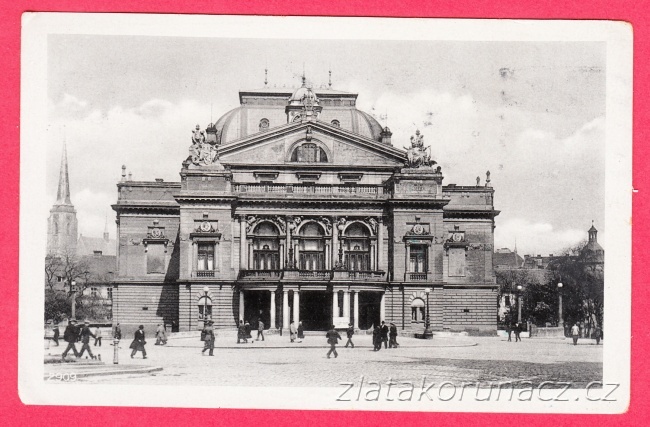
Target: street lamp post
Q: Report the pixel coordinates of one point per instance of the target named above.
(560, 322)
(519, 288)
(73, 289)
(205, 306)
(427, 322)
(340, 227)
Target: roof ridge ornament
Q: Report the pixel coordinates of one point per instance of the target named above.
(203, 152)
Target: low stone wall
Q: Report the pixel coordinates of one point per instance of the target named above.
(548, 332)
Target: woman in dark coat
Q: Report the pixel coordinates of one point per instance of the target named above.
(301, 331)
(138, 343)
(376, 338)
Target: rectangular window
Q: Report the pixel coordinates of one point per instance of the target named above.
(206, 256)
(418, 260)
(109, 293)
(94, 293)
(155, 258)
(456, 262)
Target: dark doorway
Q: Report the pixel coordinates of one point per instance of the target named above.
(369, 304)
(316, 310)
(257, 305)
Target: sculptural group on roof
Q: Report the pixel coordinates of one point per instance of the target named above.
(418, 155)
(202, 152)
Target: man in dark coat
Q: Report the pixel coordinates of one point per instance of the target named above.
(70, 336)
(208, 338)
(138, 343)
(333, 338)
(85, 334)
(517, 332)
(241, 332)
(384, 334)
(376, 338)
(350, 333)
(117, 334)
(509, 331)
(247, 328)
(393, 336)
(56, 332)
(301, 331)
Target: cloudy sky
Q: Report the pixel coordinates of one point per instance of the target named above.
(533, 114)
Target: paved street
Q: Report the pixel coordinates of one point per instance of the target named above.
(279, 363)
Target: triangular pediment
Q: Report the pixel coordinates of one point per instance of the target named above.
(341, 147)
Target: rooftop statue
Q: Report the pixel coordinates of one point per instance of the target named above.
(418, 154)
(202, 153)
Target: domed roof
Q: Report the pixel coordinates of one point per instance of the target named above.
(302, 92)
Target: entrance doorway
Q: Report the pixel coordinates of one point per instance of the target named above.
(369, 309)
(257, 306)
(316, 310)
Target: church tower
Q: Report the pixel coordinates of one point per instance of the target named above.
(62, 223)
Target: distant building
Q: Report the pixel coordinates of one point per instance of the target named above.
(505, 258)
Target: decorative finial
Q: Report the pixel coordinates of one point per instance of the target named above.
(487, 179)
(304, 79)
(130, 176)
(478, 181)
(330, 82)
(266, 80)
(123, 172)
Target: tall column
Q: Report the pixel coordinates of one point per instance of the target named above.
(335, 242)
(335, 305)
(241, 304)
(380, 243)
(356, 309)
(296, 306)
(242, 243)
(287, 246)
(382, 307)
(346, 303)
(408, 258)
(272, 322)
(285, 309)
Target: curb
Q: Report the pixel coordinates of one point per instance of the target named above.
(115, 372)
(472, 344)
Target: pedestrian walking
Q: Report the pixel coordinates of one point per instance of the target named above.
(509, 331)
(241, 332)
(138, 342)
(598, 334)
(207, 336)
(350, 333)
(376, 338)
(517, 332)
(333, 338)
(301, 331)
(98, 337)
(293, 331)
(260, 330)
(117, 333)
(55, 336)
(70, 336)
(247, 328)
(384, 334)
(161, 337)
(85, 335)
(393, 336)
(575, 333)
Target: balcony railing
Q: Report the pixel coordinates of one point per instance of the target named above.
(260, 274)
(416, 277)
(366, 191)
(360, 276)
(204, 273)
(308, 274)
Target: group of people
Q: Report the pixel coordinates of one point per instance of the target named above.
(74, 333)
(386, 335)
(516, 328)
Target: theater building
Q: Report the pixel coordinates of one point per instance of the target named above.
(296, 206)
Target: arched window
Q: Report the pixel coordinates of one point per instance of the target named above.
(417, 310)
(336, 123)
(266, 247)
(309, 152)
(357, 245)
(205, 308)
(312, 247)
(264, 124)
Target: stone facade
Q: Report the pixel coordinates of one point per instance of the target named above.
(297, 207)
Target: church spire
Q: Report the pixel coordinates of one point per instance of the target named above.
(63, 192)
